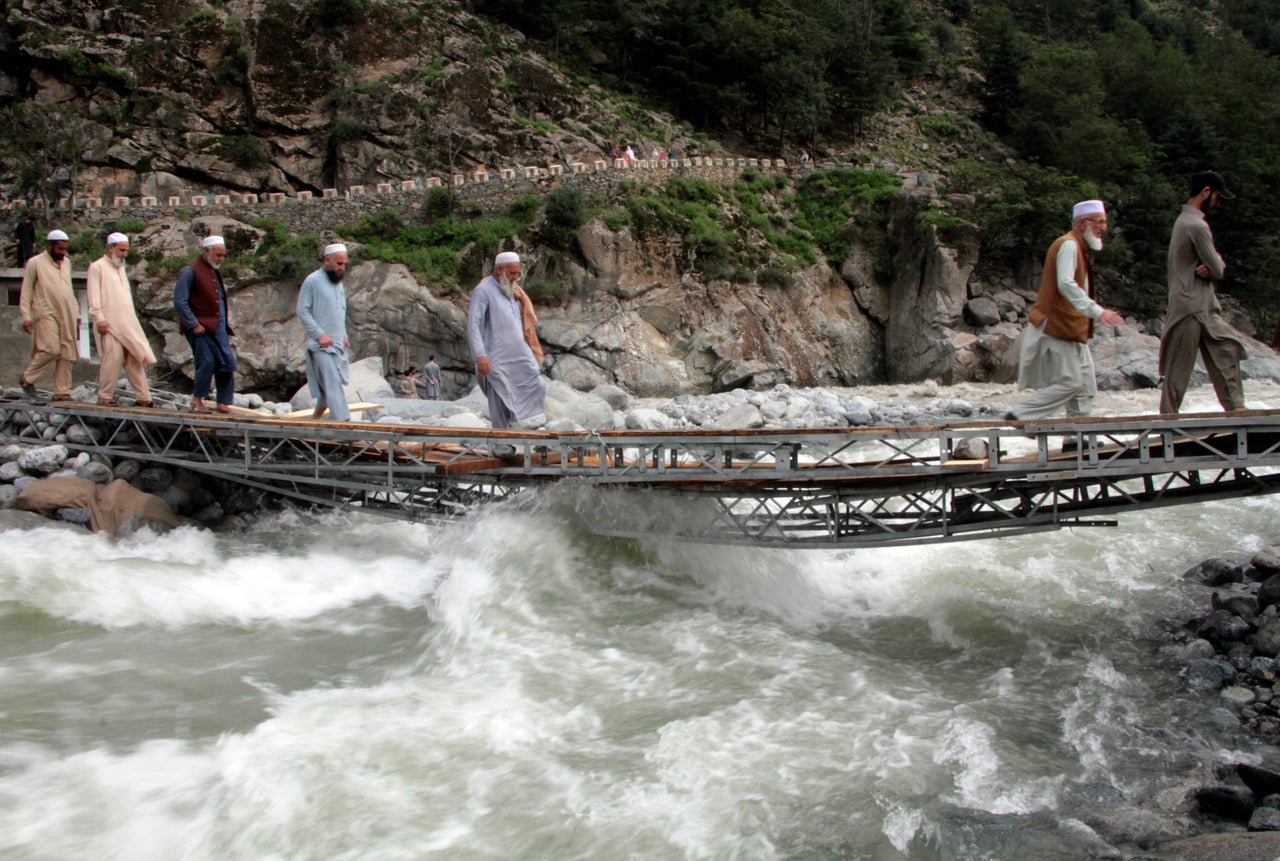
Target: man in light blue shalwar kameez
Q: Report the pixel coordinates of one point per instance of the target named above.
(509, 374)
(322, 310)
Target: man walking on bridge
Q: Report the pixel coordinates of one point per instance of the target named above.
(200, 298)
(121, 341)
(1054, 357)
(1194, 323)
(322, 310)
(505, 361)
(51, 315)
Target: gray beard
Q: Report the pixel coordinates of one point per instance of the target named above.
(1094, 242)
(508, 286)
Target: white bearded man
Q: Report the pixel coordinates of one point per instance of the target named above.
(322, 310)
(121, 341)
(51, 315)
(505, 361)
(1054, 357)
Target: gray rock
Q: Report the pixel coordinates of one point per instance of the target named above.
(742, 416)
(8, 496)
(1262, 782)
(1264, 819)
(613, 396)
(1198, 648)
(83, 435)
(366, 383)
(1269, 592)
(1250, 846)
(11, 470)
(645, 418)
(80, 516)
(23, 480)
(210, 515)
(1267, 641)
(1227, 802)
(1224, 627)
(582, 408)
(154, 479)
(43, 460)
(127, 470)
(982, 311)
(1210, 675)
(95, 472)
(10, 453)
(1130, 824)
(11, 519)
(1268, 559)
(1238, 695)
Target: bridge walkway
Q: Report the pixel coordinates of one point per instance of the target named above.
(794, 488)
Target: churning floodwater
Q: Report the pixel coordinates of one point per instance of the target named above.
(510, 686)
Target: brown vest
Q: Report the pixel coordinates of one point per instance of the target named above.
(1065, 322)
(206, 295)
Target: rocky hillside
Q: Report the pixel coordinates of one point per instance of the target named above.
(181, 96)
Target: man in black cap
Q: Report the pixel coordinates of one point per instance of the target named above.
(1194, 324)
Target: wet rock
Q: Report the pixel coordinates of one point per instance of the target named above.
(1215, 572)
(1226, 802)
(1267, 640)
(1269, 592)
(1239, 695)
(1208, 675)
(1262, 782)
(1222, 626)
(1251, 846)
(210, 515)
(43, 460)
(1198, 648)
(1133, 825)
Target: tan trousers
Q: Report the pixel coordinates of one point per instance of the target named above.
(1187, 340)
(114, 357)
(46, 350)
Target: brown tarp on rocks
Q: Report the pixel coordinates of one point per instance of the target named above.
(109, 505)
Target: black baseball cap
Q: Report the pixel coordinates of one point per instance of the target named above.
(1211, 180)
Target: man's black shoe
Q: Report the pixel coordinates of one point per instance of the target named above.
(27, 388)
(1070, 445)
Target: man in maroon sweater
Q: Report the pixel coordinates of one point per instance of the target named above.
(200, 298)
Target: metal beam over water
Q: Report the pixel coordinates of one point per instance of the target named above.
(777, 488)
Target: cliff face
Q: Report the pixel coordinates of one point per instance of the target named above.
(286, 95)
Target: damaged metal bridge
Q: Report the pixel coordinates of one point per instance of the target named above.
(795, 488)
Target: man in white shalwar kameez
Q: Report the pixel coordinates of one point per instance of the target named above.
(322, 310)
(121, 342)
(1054, 356)
(509, 373)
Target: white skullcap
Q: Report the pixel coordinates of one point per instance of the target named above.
(506, 257)
(116, 238)
(335, 248)
(57, 236)
(210, 241)
(1087, 207)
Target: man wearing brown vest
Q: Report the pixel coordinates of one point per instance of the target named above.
(1054, 356)
(200, 298)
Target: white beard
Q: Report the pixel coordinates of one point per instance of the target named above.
(1094, 242)
(508, 286)
(118, 261)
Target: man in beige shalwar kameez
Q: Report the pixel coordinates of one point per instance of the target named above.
(121, 341)
(51, 315)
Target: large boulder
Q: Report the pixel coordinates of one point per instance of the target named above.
(366, 383)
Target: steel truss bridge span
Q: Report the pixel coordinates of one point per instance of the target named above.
(794, 488)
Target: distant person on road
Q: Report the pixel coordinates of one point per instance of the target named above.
(25, 233)
(431, 379)
(51, 315)
(200, 298)
(121, 341)
(1054, 356)
(507, 366)
(1194, 324)
(322, 310)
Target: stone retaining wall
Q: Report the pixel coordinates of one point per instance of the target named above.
(488, 189)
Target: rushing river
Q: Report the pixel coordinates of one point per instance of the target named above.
(511, 687)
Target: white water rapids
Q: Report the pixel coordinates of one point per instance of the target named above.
(511, 687)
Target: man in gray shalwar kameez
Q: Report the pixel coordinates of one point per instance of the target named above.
(1195, 325)
(322, 310)
(509, 374)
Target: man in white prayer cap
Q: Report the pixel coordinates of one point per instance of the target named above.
(200, 298)
(506, 363)
(322, 310)
(1054, 356)
(51, 315)
(121, 341)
